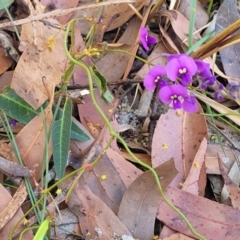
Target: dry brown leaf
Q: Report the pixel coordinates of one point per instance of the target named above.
(141, 200)
(196, 179)
(39, 66)
(110, 178)
(5, 199)
(210, 219)
(5, 61)
(178, 136)
(201, 14)
(113, 15)
(113, 65)
(31, 142)
(93, 214)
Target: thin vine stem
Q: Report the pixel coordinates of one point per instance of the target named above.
(113, 133)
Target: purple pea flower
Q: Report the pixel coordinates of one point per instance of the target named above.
(174, 94)
(155, 77)
(203, 68)
(183, 67)
(13, 123)
(146, 39)
(204, 74)
(218, 96)
(178, 96)
(190, 104)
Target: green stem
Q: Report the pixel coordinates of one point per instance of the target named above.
(113, 133)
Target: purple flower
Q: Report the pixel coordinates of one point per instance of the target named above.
(203, 69)
(183, 67)
(174, 94)
(218, 96)
(154, 77)
(205, 82)
(190, 104)
(233, 89)
(178, 96)
(13, 123)
(146, 39)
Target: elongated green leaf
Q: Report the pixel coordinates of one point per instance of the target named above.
(5, 3)
(41, 232)
(76, 132)
(15, 107)
(61, 132)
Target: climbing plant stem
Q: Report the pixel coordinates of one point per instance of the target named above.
(115, 134)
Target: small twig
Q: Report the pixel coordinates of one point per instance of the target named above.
(117, 82)
(61, 12)
(14, 169)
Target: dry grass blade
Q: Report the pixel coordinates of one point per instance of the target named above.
(17, 200)
(231, 114)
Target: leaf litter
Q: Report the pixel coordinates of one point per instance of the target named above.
(115, 197)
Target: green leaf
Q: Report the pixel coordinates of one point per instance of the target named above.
(41, 232)
(101, 83)
(61, 132)
(107, 96)
(15, 107)
(76, 132)
(5, 3)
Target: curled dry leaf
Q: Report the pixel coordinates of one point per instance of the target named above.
(141, 200)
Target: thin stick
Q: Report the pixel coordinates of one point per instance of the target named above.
(61, 12)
